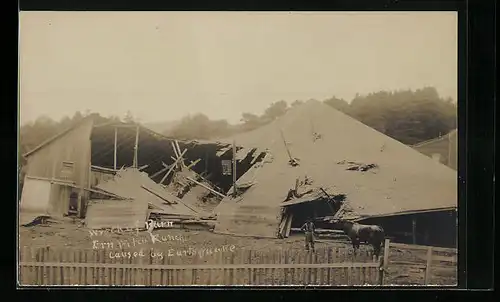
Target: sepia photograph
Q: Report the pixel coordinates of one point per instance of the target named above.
(165, 148)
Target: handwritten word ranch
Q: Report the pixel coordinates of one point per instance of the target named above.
(133, 242)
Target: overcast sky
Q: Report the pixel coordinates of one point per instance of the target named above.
(164, 65)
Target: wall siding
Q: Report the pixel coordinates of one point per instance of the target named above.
(73, 146)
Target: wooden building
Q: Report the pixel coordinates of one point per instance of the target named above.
(57, 172)
(61, 172)
(442, 149)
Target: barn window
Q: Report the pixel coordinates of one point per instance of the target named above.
(73, 203)
(67, 169)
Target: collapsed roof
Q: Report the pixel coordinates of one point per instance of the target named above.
(378, 175)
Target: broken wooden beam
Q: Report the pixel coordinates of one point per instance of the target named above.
(193, 163)
(206, 187)
(157, 194)
(102, 192)
(143, 167)
(171, 168)
(175, 150)
(165, 168)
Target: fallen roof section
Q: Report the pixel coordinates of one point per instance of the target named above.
(135, 184)
(392, 178)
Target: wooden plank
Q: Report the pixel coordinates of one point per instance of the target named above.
(175, 150)
(206, 187)
(450, 259)
(408, 263)
(235, 189)
(165, 168)
(177, 146)
(193, 163)
(422, 247)
(107, 194)
(232, 272)
(172, 167)
(53, 179)
(384, 269)
(80, 269)
(288, 225)
(175, 268)
(427, 278)
(181, 153)
(157, 194)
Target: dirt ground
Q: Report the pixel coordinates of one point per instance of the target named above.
(65, 234)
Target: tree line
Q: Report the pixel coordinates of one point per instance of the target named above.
(407, 116)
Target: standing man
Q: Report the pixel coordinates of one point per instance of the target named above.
(308, 227)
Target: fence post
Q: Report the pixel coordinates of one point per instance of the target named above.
(428, 266)
(383, 264)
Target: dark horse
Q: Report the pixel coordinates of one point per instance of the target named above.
(371, 234)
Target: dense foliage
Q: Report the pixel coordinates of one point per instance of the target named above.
(407, 116)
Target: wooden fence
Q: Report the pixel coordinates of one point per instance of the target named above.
(334, 265)
(327, 266)
(428, 264)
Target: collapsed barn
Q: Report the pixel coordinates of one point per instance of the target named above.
(313, 162)
(95, 163)
(322, 164)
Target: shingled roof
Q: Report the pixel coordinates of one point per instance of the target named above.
(329, 146)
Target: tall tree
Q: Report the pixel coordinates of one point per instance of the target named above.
(339, 104)
(275, 110)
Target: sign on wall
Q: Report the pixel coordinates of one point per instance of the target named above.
(226, 167)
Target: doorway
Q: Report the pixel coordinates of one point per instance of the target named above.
(73, 204)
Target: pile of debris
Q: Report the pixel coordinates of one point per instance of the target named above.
(137, 198)
(141, 199)
(184, 181)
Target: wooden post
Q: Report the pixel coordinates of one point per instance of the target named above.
(136, 147)
(234, 170)
(385, 262)
(428, 266)
(414, 230)
(116, 139)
